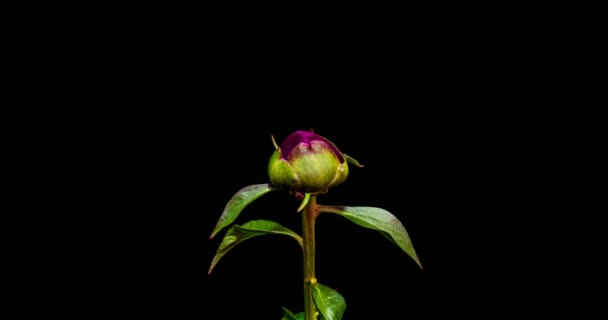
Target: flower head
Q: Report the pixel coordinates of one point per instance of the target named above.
(307, 162)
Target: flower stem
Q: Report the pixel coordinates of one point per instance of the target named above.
(308, 226)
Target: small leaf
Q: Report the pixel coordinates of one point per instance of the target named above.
(304, 202)
(274, 142)
(237, 234)
(329, 302)
(380, 220)
(352, 160)
(238, 202)
(290, 316)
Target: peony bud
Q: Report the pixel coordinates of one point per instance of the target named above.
(307, 162)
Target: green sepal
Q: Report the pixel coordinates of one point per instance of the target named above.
(304, 201)
(352, 160)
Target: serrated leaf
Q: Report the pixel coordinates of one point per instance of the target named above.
(380, 220)
(237, 234)
(290, 316)
(329, 302)
(238, 202)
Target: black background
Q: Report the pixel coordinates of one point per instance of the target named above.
(179, 117)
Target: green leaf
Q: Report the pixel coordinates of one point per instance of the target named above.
(380, 220)
(290, 316)
(352, 160)
(329, 302)
(237, 234)
(304, 201)
(238, 202)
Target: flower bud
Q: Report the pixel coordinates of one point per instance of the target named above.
(307, 162)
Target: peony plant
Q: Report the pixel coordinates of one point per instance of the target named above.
(307, 165)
